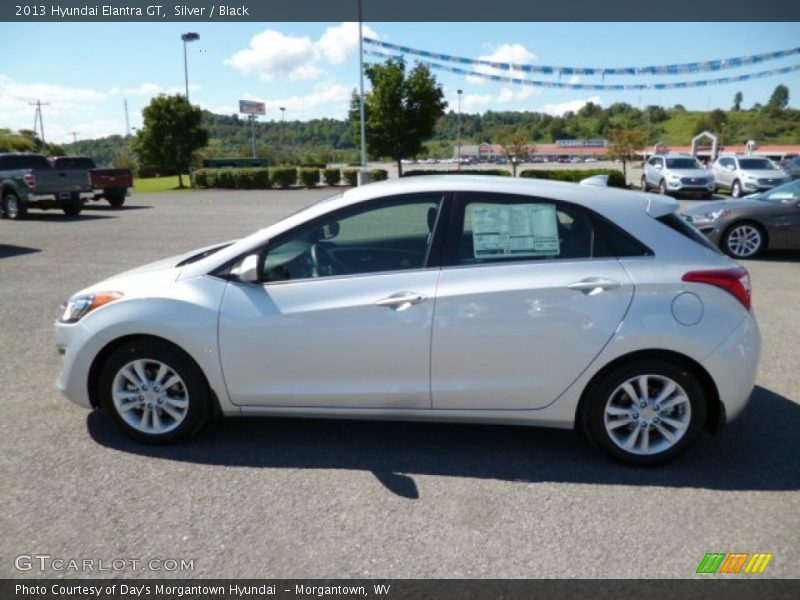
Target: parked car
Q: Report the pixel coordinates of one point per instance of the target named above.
(677, 173)
(28, 181)
(111, 184)
(746, 174)
(442, 298)
(791, 166)
(745, 228)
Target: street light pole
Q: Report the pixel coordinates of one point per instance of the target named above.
(459, 128)
(189, 36)
(363, 175)
(283, 129)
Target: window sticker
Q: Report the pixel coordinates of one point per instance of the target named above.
(514, 230)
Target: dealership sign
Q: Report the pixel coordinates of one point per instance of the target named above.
(582, 143)
(249, 107)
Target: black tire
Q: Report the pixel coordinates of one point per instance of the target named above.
(644, 183)
(193, 389)
(74, 208)
(706, 195)
(603, 390)
(115, 199)
(740, 228)
(662, 188)
(14, 208)
(736, 189)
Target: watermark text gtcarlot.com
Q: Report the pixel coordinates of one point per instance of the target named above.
(46, 562)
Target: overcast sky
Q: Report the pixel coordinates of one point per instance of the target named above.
(84, 71)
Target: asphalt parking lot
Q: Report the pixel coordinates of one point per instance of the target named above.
(305, 498)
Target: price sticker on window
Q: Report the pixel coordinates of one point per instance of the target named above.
(513, 230)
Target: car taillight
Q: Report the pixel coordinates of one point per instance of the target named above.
(30, 180)
(734, 281)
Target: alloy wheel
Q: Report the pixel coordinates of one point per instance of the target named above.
(647, 414)
(744, 241)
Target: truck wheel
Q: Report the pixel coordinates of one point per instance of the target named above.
(115, 199)
(74, 208)
(14, 208)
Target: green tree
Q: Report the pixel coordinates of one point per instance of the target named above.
(172, 132)
(779, 98)
(401, 109)
(515, 145)
(737, 101)
(625, 143)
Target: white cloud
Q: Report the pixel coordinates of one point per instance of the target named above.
(506, 95)
(338, 43)
(560, 108)
(330, 99)
(505, 53)
(153, 89)
(61, 101)
(274, 55)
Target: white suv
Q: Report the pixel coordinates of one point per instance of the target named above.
(747, 174)
(675, 173)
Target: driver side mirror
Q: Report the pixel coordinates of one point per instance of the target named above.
(246, 271)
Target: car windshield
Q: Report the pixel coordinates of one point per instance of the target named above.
(755, 163)
(783, 193)
(683, 163)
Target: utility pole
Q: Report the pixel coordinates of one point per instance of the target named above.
(253, 132)
(74, 136)
(37, 117)
(363, 174)
(127, 121)
(283, 129)
(459, 128)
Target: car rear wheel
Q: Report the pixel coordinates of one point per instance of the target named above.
(736, 189)
(154, 392)
(644, 413)
(743, 240)
(74, 208)
(115, 199)
(13, 207)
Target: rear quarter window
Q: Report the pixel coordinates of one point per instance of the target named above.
(687, 230)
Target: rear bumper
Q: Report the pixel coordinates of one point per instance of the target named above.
(54, 198)
(734, 365)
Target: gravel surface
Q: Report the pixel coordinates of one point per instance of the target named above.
(305, 498)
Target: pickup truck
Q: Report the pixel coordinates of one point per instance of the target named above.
(111, 184)
(29, 181)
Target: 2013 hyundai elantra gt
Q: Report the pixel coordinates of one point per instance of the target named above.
(452, 298)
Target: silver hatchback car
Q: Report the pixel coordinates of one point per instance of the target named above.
(454, 298)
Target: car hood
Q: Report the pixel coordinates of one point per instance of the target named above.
(709, 207)
(142, 281)
(693, 173)
(765, 174)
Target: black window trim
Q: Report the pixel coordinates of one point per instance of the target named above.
(433, 258)
(461, 199)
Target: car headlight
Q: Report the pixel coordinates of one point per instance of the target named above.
(751, 177)
(78, 307)
(713, 216)
(674, 176)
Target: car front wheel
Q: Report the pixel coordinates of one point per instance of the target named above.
(645, 413)
(736, 189)
(644, 183)
(153, 392)
(743, 240)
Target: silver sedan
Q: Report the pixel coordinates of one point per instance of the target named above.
(479, 299)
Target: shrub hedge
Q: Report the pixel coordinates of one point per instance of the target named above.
(378, 175)
(498, 172)
(350, 176)
(615, 177)
(309, 177)
(332, 176)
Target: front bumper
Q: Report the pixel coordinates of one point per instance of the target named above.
(733, 366)
(78, 347)
(704, 187)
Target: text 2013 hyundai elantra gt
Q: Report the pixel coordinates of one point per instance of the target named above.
(478, 299)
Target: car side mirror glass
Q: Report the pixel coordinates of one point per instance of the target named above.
(246, 270)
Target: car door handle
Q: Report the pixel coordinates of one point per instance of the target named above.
(594, 285)
(401, 300)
